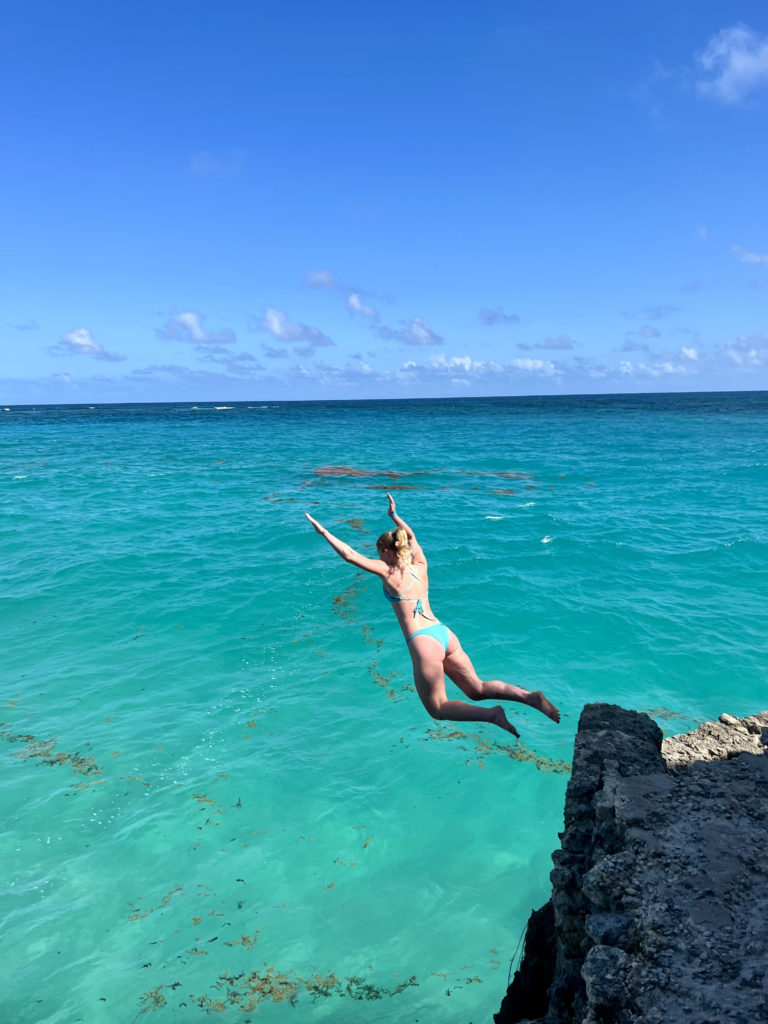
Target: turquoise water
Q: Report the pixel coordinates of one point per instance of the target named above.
(221, 794)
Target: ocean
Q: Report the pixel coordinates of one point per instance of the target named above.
(221, 793)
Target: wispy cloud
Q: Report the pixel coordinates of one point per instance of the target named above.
(653, 312)
(205, 164)
(416, 332)
(30, 325)
(238, 364)
(479, 375)
(356, 304)
(562, 342)
(477, 370)
(355, 298)
(745, 256)
(188, 326)
(662, 364)
(323, 279)
(492, 317)
(748, 350)
(274, 353)
(80, 342)
(278, 324)
(735, 63)
(630, 345)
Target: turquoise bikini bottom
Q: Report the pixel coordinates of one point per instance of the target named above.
(438, 632)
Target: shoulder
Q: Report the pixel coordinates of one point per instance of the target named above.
(393, 578)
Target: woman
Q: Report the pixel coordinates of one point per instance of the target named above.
(435, 650)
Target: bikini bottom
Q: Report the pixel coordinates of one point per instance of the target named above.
(438, 632)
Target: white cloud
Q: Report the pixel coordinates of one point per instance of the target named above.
(745, 256)
(278, 324)
(356, 304)
(465, 363)
(323, 279)
(690, 353)
(736, 63)
(80, 342)
(748, 350)
(650, 332)
(534, 366)
(417, 332)
(661, 367)
(188, 326)
(491, 317)
(354, 301)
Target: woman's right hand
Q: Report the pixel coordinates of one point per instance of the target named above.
(391, 510)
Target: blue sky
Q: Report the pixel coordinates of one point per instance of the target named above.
(268, 200)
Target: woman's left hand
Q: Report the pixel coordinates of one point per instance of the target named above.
(391, 510)
(317, 526)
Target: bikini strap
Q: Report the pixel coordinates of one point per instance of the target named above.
(399, 597)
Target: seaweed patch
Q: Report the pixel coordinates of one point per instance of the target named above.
(248, 990)
(345, 603)
(152, 1000)
(45, 751)
(482, 748)
(206, 802)
(351, 471)
(137, 914)
(385, 682)
(369, 638)
(357, 524)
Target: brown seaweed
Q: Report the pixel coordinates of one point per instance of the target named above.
(483, 748)
(45, 751)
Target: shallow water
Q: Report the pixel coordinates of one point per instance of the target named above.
(221, 792)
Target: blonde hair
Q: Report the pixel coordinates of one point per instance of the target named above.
(397, 541)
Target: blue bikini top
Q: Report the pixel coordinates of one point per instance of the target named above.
(418, 608)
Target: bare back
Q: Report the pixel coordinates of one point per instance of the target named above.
(407, 589)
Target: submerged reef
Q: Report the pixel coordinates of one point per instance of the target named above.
(660, 886)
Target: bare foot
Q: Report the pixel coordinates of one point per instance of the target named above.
(536, 699)
(499, 718)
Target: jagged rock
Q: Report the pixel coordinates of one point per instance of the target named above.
(719, 740)
(660, 887)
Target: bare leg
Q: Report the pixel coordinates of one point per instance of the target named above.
(460, 669)
(460, 711)
(429, 678)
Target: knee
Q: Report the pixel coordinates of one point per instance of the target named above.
(435, 709)
(475, 691)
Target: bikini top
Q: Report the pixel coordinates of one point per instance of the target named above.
(418, 608)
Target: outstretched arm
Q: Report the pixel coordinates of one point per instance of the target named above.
(416, 553)
(374, 565)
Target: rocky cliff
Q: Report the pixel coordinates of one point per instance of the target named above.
(659, 907)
